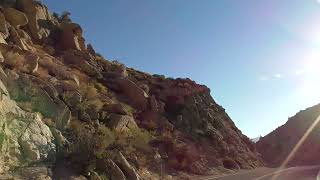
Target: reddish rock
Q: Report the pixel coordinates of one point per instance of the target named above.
(71, 37)
(137, 97)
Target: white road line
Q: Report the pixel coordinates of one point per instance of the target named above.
(273, 173)
(276, 172)
(226, 175)
(318, 175)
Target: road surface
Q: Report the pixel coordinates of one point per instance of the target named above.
(293, 173)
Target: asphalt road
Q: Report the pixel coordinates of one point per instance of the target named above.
(293, 173)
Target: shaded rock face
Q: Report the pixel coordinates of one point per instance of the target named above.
(201, 117)
(61, 100)
(72, 37)
(276, 146)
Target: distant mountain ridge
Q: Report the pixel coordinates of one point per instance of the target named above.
(256, 139)
(277, 145)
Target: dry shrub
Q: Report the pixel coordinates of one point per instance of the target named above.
(89, 143)
(14, 60)
(42, 73)
(140, 139)
(101, 88)
(135, 140)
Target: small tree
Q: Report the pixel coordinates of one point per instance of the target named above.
(65, 16)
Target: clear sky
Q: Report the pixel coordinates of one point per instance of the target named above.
(260, 58)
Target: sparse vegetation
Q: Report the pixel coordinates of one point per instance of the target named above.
(89, 143)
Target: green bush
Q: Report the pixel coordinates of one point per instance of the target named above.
(135, 140)
(91, 142)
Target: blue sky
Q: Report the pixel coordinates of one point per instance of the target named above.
(258, 57)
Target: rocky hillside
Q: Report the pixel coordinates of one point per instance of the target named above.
(68, 113)
(276, 146)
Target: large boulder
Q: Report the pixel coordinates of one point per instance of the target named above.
(15, 17)
(121, 122)
(136, 96)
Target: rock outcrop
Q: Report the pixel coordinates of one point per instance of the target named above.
(277, 145)
(40, 20)
(24, 137)
(65, 107)
(71, 37)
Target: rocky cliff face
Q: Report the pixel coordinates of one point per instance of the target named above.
(68, 112)
(276, 146)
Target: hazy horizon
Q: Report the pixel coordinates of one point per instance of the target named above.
(259, 58)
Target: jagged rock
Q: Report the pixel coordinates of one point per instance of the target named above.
(115, 108)
(94, 176)
(121, 122)
(59, 71)
(38, 16)
(91, 49)
(16, 38)
(112, 170)
(3, 28)
(15, 17)
(61, 141)
(145, 88)
(137, 96)
(119, 69)
(153, 104)
(71, 37)
(81, 61)
(124, 165)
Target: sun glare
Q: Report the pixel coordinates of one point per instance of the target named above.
(310, 78)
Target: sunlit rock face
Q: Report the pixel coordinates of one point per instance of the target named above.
(60, 100)
(24, 138)
(276, 146)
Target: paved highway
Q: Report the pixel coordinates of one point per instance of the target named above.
(293, 173)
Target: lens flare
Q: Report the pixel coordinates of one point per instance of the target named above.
(296, 148)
